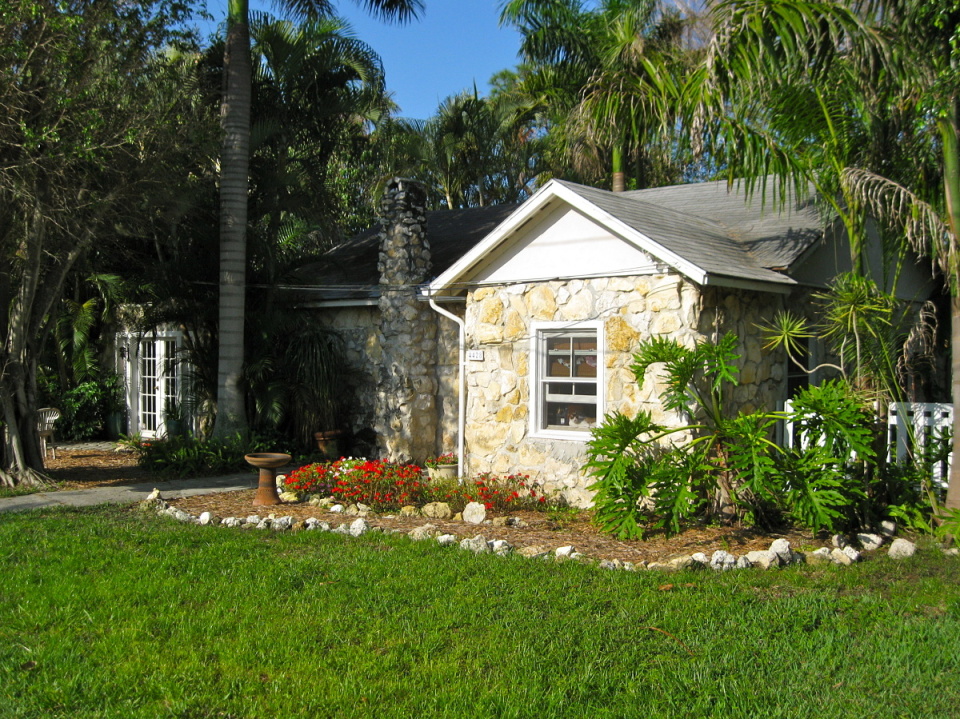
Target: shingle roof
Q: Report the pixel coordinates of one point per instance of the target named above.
(707, 224)
(775, 237)
(349, 270)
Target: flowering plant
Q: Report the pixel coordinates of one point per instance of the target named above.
(442, 460)
(380, 484)
(510, 493)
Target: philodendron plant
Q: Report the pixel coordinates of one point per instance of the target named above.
(725, 465)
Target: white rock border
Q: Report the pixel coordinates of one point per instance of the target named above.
(780, 553)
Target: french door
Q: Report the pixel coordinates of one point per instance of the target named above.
(158, 379)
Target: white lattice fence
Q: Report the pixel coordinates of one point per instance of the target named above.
(910, 426)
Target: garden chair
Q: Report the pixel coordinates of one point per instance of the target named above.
(46, 417)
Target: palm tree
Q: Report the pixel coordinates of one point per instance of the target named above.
(583, 68)
(234, 171)
(874, 66)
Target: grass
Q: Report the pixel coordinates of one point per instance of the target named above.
(108, 613)
(21, 490)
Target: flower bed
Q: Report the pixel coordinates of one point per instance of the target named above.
(387, 486)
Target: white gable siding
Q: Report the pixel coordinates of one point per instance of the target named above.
(564, 243)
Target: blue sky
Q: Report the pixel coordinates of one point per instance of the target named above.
(453, 45)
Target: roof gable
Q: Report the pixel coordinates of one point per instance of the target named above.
(704, 250)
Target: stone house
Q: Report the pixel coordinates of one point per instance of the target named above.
(506, 333)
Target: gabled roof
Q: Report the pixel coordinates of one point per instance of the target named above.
(704, 231)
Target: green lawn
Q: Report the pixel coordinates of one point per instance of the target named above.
(107, 613)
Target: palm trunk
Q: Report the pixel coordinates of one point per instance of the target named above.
(951, 183)
(619, 178)
(235, 160)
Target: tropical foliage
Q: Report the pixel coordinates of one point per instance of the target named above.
(93, 116)
(725, 466)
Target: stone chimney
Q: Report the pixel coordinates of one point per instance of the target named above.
(406, 415)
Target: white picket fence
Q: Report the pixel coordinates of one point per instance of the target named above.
(907, 423)
(919, 422)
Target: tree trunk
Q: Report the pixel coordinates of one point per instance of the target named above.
(235, 160)
(619, 178)
(953, 489)
(951, 185)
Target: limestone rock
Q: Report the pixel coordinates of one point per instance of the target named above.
(474, 513)
(282, 524)
(422, 532)
(178, 514)
(869, 542)
(289, 497)
(232, 522)
(501, 547)
(685, 562)
(764, 559)
(852, 553)
(611, 564)
(840, 557)
(447, 540)
(721, 560)
(342, 529)
(564, 552)
(409, 511)
(477, 545)
(336, 508)
(206, 519)
(436, 510)
(743, 563)
(533, 551)
(888, 528)
(901, 548)
(839, 541)
(819, 556)
(253, 519)
(781, 547)
(700, 558)
(359, 527)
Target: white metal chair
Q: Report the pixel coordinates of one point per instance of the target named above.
(46, 418)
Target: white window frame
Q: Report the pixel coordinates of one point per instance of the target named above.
(537, 373)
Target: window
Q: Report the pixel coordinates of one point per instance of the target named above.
(567, 382)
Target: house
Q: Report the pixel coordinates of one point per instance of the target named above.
(506, 333)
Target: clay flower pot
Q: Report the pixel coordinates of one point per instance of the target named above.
(329, 443)
(443, 471)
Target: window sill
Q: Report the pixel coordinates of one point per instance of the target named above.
(566, 435)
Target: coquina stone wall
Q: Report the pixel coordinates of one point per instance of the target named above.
(500, 322)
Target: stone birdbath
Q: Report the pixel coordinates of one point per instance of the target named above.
(267, 463)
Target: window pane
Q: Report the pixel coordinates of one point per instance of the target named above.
(558, 366)
(585, 365)
(569, 415)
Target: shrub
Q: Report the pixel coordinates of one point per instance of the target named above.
(84, 408)
(189, 456)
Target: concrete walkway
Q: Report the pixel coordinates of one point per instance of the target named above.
(170, 489)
